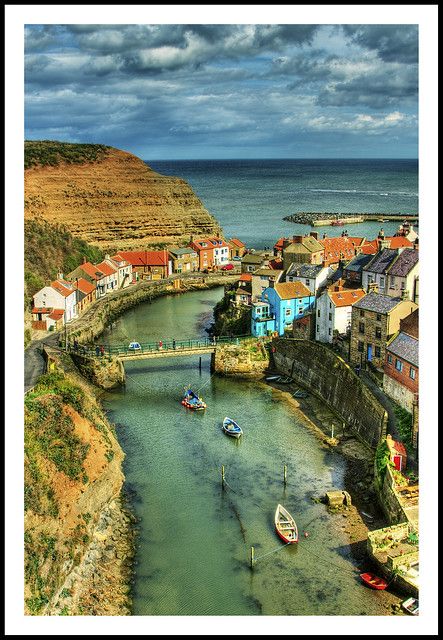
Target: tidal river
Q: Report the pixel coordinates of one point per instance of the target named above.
(195, 538)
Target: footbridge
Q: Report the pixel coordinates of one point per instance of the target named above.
(169, 348)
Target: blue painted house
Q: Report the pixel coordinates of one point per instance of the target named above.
(288, 301)
(262, 320)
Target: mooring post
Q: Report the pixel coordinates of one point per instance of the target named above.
(252, 557)
(223, 476)
(200, 363)
(285, 474)
(332, 430)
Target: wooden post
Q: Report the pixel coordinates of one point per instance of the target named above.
(252, 557)
(284, 475)
(223, 476)
(200, 363)
(332, 430)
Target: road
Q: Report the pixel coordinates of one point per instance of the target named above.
(34, 361)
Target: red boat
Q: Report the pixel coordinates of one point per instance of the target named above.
(285, 525)
(373, 581)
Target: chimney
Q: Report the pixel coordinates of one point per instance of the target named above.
(381, 234)
(314, 234)
(107, 256)
(324, 236)
(373, 287)
(405, 295)
(415, 244)
(296, 239)
(271, 282)
(59, 276)
(84, 259)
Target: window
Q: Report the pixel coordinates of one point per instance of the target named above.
(377, 332)
(329, 331)
(377, 352)
(330, 316)
(412, 373)
(362, 313)
(361, 327)
(307, 283)
(318, 313)
(398, 365)
(378, 317)
(360, 346)
(389, 358)
(317, 328)
(288, 312)
(382, 282)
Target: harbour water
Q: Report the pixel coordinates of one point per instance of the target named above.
(250, 198)
(194, 542)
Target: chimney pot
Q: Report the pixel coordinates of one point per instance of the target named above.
(297, 238)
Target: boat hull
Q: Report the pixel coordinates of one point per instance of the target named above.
(374, 582)
(287, 524)
(235, 431)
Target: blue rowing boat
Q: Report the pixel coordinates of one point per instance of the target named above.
(231, 428)
(192, 401)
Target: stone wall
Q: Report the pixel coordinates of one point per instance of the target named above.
(325, 374)
(390, 501)
(248, 359)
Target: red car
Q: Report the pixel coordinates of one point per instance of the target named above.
(227, 267)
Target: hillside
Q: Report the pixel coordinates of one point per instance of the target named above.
(110, 198)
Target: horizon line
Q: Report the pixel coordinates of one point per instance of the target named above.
(262, 159)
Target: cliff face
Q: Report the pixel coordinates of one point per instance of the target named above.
(116, 201)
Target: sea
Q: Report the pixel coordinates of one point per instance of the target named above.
(250, 198)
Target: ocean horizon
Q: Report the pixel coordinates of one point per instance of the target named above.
(250, 197)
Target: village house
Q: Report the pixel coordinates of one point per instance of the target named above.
(397, 453)
(334, 311)
(311, 275)
(288, 301)
(212, 252)
(375, 319)
(253, 261)
(261, 279)
(237, 248)
(400, 379)
(148, 265)
(402, 275)
(303, 249)
(124, 270)
(184, 260)
(92, 274)
(110, 271)
(340, 248)
(60, 298)
(353, 270)
(243, 294)
(85, 294)
(375, 270)
(262, 319)
(279, 246)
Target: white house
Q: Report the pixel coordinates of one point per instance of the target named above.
(221, 252)
(110, 281)
(402, 275)
(59, 295)
(334, 310)
(124, 270)
(311, 275)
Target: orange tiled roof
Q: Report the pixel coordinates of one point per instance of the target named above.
(399, 241)
(106, 268)
(92, 271)
(145, 258)
(62, 287)
(290, 290)
(346, 297)
(237, 242)
(245, 277)
(336, 246)
(211, 243)
(41, 310)
(56, 314)
(395, 446)
(84, 286)
(276, 264)
(279, 243)
(370, 247)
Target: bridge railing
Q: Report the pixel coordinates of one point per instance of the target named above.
(158, 346)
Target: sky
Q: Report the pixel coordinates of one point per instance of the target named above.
(197, 91)
(208, 81)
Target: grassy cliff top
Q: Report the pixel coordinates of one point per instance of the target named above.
(51, 153)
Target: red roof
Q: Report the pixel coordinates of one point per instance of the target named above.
(395, 446)
(276, 264)
(279, 243)
(62, 287)
(346, 297)
(92, 271)
(84, 286)
(56, 314)
(145, 258)
(41, 310)
(370, 247)
(106, 268)
(245, 277)
(237, 242)
(119, 259)
(335, 247)
(211, 243)
(399, 241)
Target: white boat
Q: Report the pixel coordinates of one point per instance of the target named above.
(411, 606)
(285, 525)
(231, 428)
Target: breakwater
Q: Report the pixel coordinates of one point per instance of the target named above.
(317, 219)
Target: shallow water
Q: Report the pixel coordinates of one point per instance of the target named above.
(195, 538)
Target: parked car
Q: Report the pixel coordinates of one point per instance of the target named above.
(227, 267)
(237, 258)
(134, 346)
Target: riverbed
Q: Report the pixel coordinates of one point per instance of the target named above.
(195, 536)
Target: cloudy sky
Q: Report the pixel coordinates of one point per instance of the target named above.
(177, 91)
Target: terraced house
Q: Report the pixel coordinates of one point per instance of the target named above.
(184, 260)
(288, 301)
(375, 319)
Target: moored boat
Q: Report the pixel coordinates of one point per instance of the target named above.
(373, 581)
(271, 378)
(300, 393)
(411, 606)
(231, 428)
(284, 380)
(192, 401)
(337, 223)
(285, 525)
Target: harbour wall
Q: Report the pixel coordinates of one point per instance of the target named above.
(326, 375)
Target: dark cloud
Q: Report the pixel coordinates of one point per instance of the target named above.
(393, 43)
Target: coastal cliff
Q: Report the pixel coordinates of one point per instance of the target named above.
(78, 533)
(110, 198)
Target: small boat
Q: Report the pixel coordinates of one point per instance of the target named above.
(284, 380)
(232, 428)
(367, 516)
(300, 394)
(411, 606)
(192, 401)
(271, 378)
(285, 525)
(337, 223)
(373, 581)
